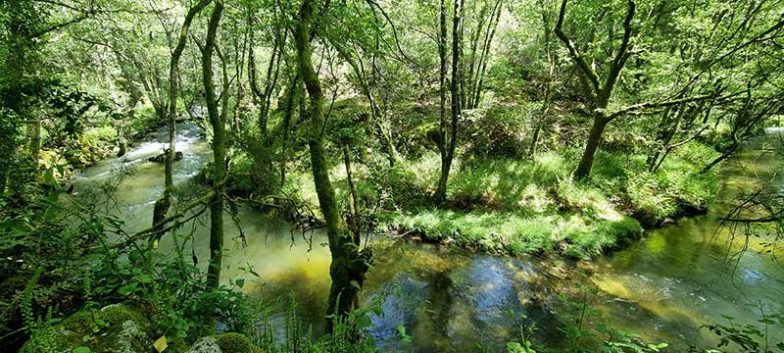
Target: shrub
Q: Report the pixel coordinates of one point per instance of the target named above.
(499, 131)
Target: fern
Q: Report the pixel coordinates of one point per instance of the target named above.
(28, 315)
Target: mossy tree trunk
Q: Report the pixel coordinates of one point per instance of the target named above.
(440, 194)
(164, 203)
(349, 265)
(218, 122)
(356, 218)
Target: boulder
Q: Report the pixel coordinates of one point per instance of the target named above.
(117, 328)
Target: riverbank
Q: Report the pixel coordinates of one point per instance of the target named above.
(530, 207)
(63, 158)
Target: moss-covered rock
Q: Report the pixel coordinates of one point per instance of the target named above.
(236, 343)
(225, 343)
(117, 328)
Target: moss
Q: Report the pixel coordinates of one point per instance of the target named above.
(236, 343)
(117, 328)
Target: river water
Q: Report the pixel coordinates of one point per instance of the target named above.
(665, 288)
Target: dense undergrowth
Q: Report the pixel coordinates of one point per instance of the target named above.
(532, 206)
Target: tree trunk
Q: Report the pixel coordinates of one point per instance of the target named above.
(456, 92)
(218, 149)
(294, 90)
(551, 63)
(163, 204)
(376, 114)
(440, 194)
(3, 181)
(354, 221)
(122, 143)
(592, 145)
(349, 265)
(537, 132)
(485, 57)
(35, 141)
(727, 153)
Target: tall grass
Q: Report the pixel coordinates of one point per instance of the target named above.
(534, 206)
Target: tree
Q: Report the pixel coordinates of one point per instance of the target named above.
(447, 140)
(349, 264)
(547, 90)
(481, 41)
(164, 203)
(601, 92)
(217, 118)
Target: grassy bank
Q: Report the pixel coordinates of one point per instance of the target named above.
(531, 206)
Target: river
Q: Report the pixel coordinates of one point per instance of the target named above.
(665, 287)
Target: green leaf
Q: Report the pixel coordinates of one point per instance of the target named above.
(401, 330)
(127, 289)
(143, 278)
(82, 349)
(240, 282)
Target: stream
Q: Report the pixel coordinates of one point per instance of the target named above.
(665, 287)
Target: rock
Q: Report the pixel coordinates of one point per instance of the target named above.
(117, 328)
(225, 343)
(161, 158)
(205, 345)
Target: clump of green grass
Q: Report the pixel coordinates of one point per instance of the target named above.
(533, 235)
(533, 206)
(481, 230)
(585, 241)
(520, 235)
(676, 186)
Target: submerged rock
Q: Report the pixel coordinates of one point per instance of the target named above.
(117, 328)
(161, 158)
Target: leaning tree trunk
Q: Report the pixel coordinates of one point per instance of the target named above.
(726, 154)
(591, 146)
(217, 120)
(349, 265)
(601, 92)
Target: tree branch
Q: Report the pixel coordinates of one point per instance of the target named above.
(574, 52)
(623, 53)
(633, 109)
